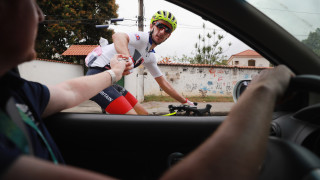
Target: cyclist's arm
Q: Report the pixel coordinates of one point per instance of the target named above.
(166, 86)
(121, 41)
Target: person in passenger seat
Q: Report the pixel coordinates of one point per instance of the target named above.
(236, 150)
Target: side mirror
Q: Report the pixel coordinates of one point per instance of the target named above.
(239, 88)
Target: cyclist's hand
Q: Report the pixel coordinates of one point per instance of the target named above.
(129, 64)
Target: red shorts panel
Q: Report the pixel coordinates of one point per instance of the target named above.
(119, 106)
(131, 99)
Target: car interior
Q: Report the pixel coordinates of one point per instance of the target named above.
(143, 147)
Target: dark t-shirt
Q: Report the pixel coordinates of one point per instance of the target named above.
(31, 98)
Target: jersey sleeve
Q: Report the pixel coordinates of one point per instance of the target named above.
(152, 66)
(138, 39)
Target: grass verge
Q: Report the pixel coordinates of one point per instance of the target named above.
(192, 98)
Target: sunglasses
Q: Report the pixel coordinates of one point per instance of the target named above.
(163, 26)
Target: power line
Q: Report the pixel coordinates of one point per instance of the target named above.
(95, 21)
(299, 12)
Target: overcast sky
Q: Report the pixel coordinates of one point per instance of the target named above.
(183, 39)
(297, 17)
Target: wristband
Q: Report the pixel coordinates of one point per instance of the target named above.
(131, 70)
(113, 76)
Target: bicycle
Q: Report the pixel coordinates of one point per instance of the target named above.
(187, 110)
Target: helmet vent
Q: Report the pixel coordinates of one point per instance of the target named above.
(165, 13)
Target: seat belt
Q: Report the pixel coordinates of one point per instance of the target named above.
(16, 118)
(16, 115)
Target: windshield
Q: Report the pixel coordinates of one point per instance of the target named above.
(300, 18)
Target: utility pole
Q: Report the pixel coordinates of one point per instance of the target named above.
(140, 79)
(141, 16)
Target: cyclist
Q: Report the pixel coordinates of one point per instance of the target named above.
(140, 47)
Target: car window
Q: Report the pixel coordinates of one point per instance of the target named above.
(300, 19)
(201, 60)
(202, 81)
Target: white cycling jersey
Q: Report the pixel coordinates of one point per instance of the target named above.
(139, 48)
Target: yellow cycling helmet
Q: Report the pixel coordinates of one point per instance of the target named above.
(166, 16)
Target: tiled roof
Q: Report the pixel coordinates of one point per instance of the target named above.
(213, 66)
(248, 52)
(79, 50)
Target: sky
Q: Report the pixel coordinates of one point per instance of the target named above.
(182, 40)
(297, 17)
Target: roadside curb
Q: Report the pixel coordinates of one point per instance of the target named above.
(157, 108)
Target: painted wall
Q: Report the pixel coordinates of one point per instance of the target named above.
(49, 73)
(199, 81)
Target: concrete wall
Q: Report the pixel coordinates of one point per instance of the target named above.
(199, 81)
(49, 72)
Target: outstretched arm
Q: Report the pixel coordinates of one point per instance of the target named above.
(166, 86)
(237, 148)
(121, 41)
(73, 92)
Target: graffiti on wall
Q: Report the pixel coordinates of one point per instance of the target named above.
(223, 80)
(206, 81)
(191, 87)
(172, 76)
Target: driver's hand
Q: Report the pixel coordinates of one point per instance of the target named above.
(277, 79)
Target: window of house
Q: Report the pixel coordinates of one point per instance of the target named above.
(236, 62)
(252, 62)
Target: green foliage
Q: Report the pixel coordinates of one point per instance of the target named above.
(209, 49)
(70, 22)
(313, 41)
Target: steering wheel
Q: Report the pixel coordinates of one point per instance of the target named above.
(305, 83)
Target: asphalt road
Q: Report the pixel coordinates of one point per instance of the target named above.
(157, 108)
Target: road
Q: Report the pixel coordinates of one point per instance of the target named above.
(156, 108)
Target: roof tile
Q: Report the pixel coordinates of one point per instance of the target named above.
(79, 50)
(248, 52)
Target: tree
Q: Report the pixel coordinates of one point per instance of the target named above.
(209, 49)
(71, 22)
(313, 41)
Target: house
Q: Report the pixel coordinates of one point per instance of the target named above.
(248, 58)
